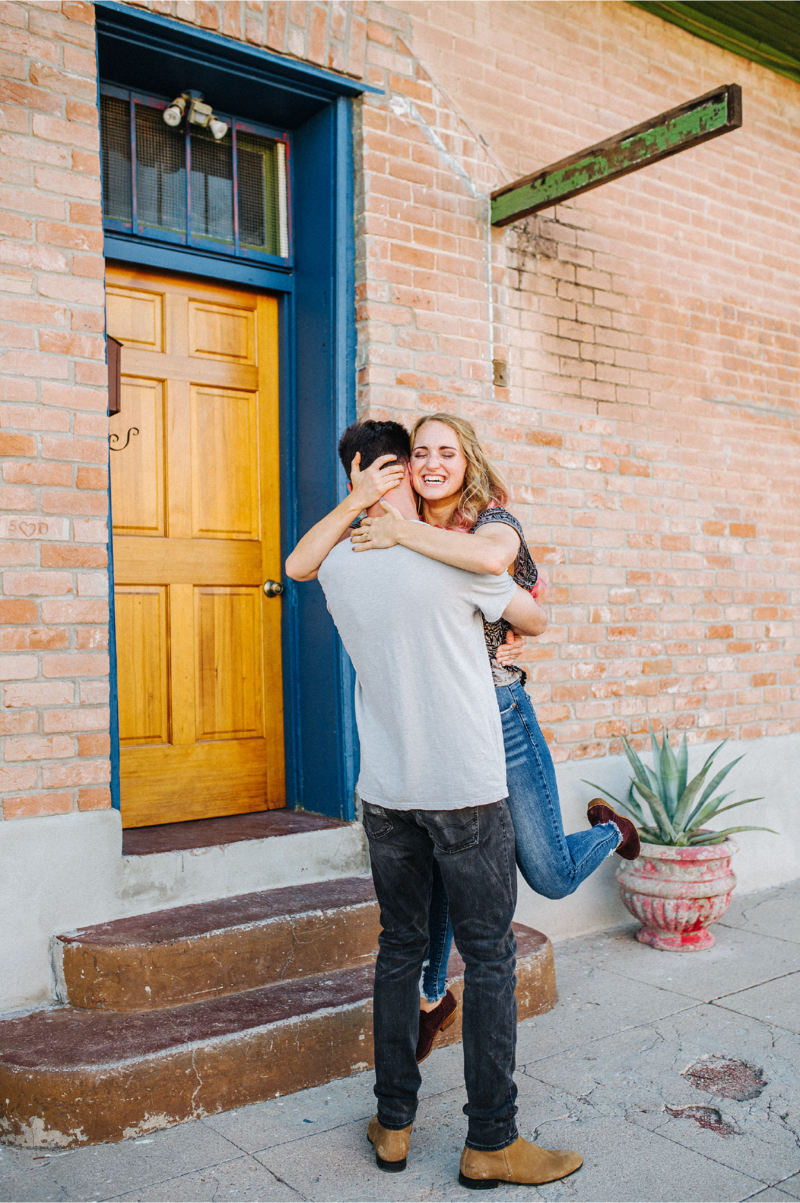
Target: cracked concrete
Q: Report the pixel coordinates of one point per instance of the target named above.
(605, 1072)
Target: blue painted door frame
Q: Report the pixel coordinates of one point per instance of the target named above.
(317, 326)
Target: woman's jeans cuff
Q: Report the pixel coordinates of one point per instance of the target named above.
(611, 826)
(438, 993)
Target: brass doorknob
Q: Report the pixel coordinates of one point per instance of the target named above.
(273, 588)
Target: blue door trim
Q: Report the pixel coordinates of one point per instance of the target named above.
(317, 340)
(135, 27)
(192, 262)
(345, 342)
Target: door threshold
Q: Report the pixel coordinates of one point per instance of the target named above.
(229, 829)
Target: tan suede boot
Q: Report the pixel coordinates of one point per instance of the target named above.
(520, 1162)
(391, 1148)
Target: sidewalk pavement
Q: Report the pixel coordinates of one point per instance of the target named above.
(602, 1073)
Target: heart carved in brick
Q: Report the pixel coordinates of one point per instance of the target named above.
(28, 528)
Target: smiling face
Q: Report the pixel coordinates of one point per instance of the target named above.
(438, 465)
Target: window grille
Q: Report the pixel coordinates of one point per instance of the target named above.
(115, 125)
(181, 185)
(212, 186)
(261, 179)
(160, 173)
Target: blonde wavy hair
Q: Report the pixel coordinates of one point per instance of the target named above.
(483, 484)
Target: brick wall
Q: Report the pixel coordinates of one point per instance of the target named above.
(649, 327)
(650, 330)
(53, 428)
(54, 720)
(328, 34)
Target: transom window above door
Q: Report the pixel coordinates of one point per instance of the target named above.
(183, 185)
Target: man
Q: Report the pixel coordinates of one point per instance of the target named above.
(433, 785)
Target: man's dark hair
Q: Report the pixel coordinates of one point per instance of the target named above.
(373, 439)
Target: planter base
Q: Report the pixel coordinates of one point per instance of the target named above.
(690, 941)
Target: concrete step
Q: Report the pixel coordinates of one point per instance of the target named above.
(210, 949)
(74, 1076)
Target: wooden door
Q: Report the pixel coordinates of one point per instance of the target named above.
(196, 510)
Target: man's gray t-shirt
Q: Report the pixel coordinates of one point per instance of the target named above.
(428, 722)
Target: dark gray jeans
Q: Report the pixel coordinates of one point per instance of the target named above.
(474, 849)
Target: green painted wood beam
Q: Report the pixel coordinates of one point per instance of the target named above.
(689, 124)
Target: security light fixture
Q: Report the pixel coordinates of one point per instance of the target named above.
(218, 128)
(174, 114)
(192, 106)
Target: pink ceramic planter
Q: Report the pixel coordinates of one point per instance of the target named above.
(676, 892)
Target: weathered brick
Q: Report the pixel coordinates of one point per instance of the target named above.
(67, 502)
(37, 748)
(25, 806)
(85, 772)
(30, 639)
(58, 555)
(18, 668)
(75, 611)
(40, 693)
(95, 693)
(37, 473)
(79, 719)
(38, 584)
(24, 777)
(92, 584)
(94, 745)
(94, 799)
(18, 611)
(17, 444)
(92, 478)
(91, 638)
(19, 724)
(83, 665)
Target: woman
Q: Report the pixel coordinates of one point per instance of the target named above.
(461, 492)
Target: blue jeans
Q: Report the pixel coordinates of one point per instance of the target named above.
(552, 863)
(474, 850)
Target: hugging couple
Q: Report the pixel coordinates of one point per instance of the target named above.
(457, 783)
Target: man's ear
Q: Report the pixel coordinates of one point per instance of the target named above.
(349, 486)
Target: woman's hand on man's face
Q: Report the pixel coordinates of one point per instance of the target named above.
(378, 533)
(371, 484)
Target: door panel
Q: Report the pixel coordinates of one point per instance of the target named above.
(195, 499)
(217, 332)
(189, 779)
(228, 641)
(225, 492)
(138, 474)
(136, 316)
(141, 617)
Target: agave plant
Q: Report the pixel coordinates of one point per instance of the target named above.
(679, 808)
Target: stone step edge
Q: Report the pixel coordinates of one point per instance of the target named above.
(207, 950)
(88, 1103)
